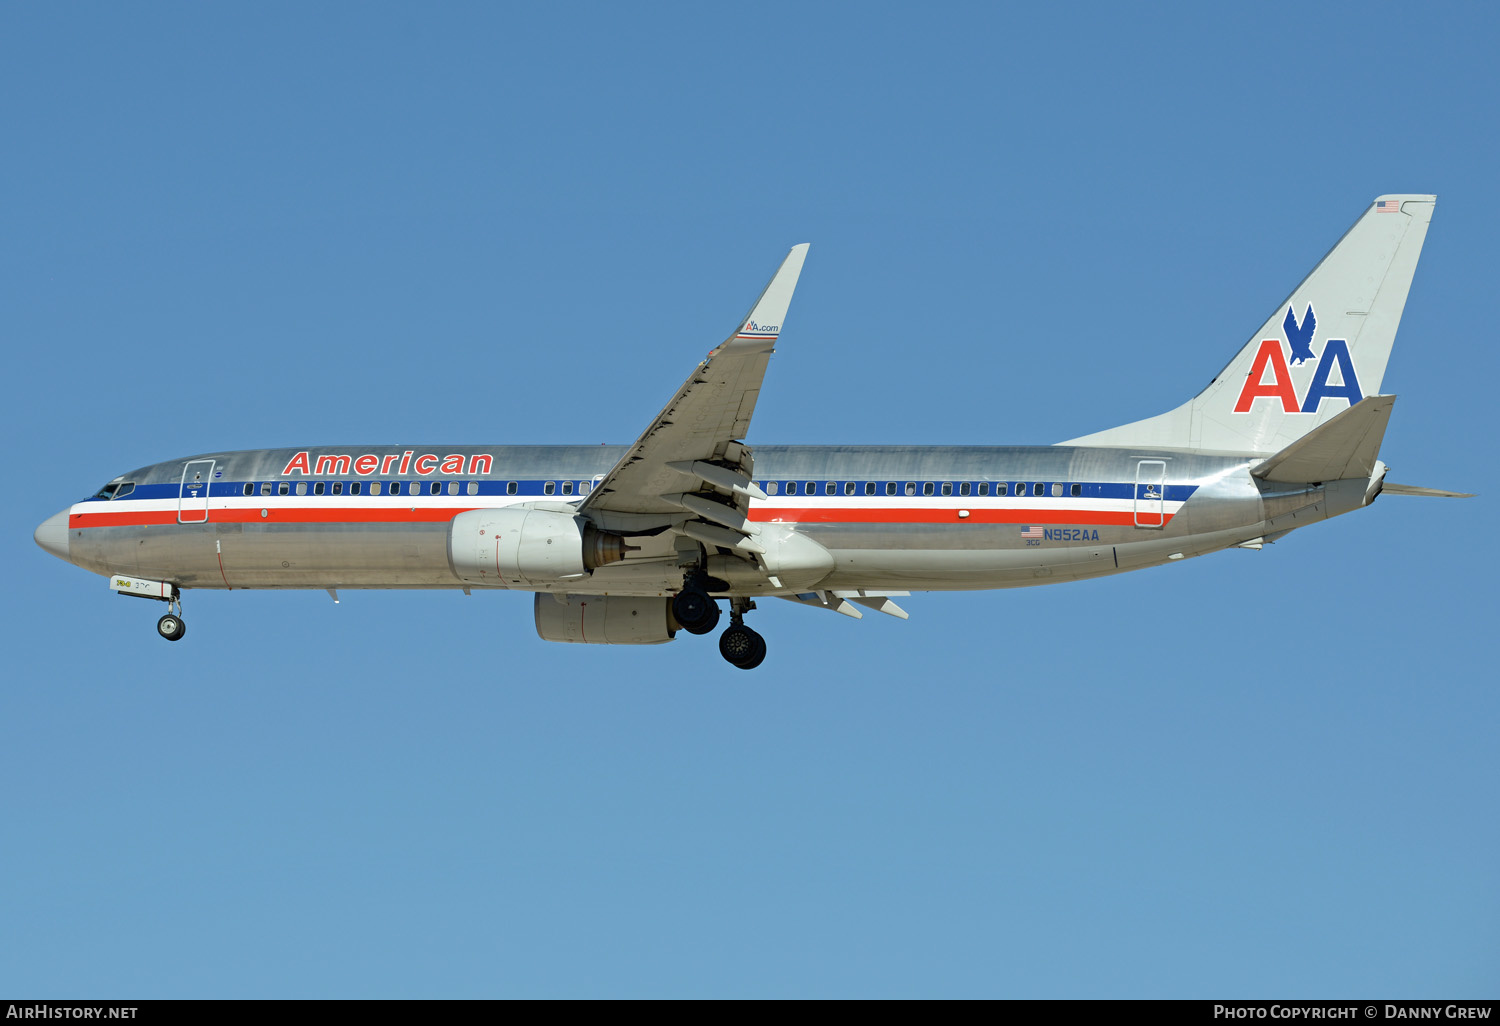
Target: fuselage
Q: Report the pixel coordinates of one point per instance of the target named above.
(889, 517)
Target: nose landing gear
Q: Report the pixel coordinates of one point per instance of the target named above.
(171, 627)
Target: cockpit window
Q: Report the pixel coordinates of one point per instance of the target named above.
(115, 490)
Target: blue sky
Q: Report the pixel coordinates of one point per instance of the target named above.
(1254, 774)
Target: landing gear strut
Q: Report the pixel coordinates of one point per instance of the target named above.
(740, 645)
(171, 626)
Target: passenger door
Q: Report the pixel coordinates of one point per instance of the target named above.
(192, 497)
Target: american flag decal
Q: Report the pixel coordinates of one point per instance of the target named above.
(1032, 532)
(1387, 207)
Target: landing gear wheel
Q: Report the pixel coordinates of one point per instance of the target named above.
(697, 613)
(742, 647)
(171, 627)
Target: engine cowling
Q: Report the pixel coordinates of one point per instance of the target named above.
(520, 548)
(604, 619)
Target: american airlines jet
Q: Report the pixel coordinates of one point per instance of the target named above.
(628, 545)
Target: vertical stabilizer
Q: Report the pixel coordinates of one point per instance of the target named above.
(1322, 350)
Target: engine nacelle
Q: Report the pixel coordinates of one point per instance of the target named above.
(604, 619)
(519, 548)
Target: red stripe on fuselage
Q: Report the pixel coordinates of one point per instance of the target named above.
(948, 515)
(274, 515)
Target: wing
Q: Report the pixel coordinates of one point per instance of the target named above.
(695, 441)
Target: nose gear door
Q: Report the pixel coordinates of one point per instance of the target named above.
(192, 498)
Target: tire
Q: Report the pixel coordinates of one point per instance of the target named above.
(695, 611)
(171, 627)
(742, 647)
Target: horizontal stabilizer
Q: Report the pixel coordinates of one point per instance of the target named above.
(1342, 448)
(1431, 493)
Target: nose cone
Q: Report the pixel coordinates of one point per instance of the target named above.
(52, 535)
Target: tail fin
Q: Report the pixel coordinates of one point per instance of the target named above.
(1278, 388)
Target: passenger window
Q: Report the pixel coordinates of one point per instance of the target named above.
(415, 488)
(830, 488)
(283, 489)
(374, 487)
(791, 487)
(567, 488)
(1056, 490)
(948, 489)
(890, 488)
(549, 488)
(356, 488)
(927, 488)
(301, 487)
(963, 489)
(812, 488)
(770, 488)
(436, 488)
(318, 488)
(510, 488)
(338, 488)
(583, 487)
(984, 488)
(472, 488)
(452, 487)
(1076, 490)
(848, 487)
(911, 488)
(249, 488)
(1036, 489)
(265, 489)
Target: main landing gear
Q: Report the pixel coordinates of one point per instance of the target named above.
(698, 613)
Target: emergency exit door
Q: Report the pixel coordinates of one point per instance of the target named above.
(1150, 493)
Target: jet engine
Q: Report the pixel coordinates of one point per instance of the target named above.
(604, 619)
(519, 548)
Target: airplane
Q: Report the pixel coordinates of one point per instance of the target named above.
(628, 545)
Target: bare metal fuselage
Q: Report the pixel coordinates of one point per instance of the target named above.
(889, 517)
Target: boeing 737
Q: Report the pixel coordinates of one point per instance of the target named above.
(628, 545)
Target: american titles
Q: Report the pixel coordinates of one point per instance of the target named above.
(324, 465)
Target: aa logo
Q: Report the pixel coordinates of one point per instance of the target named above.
(1271, 359)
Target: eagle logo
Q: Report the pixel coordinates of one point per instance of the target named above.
(1300, 335)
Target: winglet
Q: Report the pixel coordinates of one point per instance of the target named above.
(763, 323)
